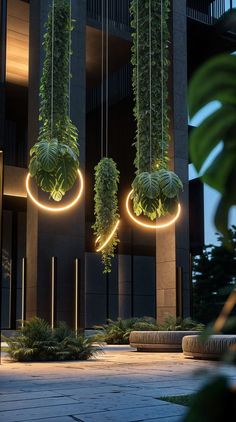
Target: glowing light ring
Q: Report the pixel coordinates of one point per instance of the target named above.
(108, 238)
(55, 209)
(154, 226)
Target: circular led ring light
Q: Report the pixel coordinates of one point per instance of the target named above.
(151, 226)
(108, 238)
(45, 207)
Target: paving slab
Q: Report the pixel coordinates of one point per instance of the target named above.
(121, 385)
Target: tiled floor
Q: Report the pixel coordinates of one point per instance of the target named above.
(121, 385)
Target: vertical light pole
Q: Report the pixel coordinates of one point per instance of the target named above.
(3, 34)
(1, 195)
(23, 262)
(76, 294)
(53, 290)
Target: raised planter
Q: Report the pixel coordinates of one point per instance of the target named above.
(212, 348)
(158, 341)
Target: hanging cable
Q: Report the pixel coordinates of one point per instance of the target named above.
(107, 76)
(69, 61)
(150, 85)
(102, 83)
(137, 85)
(34, 199)
(52, 64)
(162, 86)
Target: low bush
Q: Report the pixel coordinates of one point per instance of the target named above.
(37, 342)
(117, 332)
(179, 324)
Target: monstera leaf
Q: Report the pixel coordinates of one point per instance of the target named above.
(46, 181)
(66, 173)
(170, 183)
(147, 184)
(215, 81)
(34, 166)
(47, 154)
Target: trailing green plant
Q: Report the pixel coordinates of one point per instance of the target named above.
(180, 324)
(36, 342)
(155, 188)
(215, 81)
(55, 157)
(156, 193)
(106, 208)
(117, 332)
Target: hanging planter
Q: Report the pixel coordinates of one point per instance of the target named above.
(155, 189)
(106, 210)
(54, 159)
(107, 175)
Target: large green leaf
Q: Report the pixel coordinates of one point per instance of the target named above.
(216, 80)
(46, 181)
(147, 184)
(47, 154)
(34, 166)
(170, 183)
(207, 136)
(66, 173)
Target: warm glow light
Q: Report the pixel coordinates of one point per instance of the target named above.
(108, 238)
(55, 209)
(153, 226)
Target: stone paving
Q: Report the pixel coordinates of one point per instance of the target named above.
(121, 385)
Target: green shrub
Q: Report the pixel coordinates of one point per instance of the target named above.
(36, 342)
(178, 324)
(117, 332)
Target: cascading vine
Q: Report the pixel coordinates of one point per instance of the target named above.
(107, 175)
(155, 188)
(106, 208)
(55, 157)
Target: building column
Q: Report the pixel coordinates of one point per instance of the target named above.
(172, 255)
(56, 235)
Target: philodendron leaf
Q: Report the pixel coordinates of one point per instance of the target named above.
(170, 183)
(46, 181)
(207, 136)
(148, 184)
(215, 81)
(66, 173)
(34, 166)
(47, 154)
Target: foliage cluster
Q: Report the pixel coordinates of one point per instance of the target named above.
(214, 277)
(117, 332)
(155, 188)
(106, 207)
(55, 157)
(36, 342)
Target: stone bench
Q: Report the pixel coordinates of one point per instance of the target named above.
(158, 341)
(212, 348)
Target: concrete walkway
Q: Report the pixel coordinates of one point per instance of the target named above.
(121, 385)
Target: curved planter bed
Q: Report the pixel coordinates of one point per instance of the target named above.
(213, 348)
(158, 341)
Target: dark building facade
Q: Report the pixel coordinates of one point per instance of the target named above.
(49, 265)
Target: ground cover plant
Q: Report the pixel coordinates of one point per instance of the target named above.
(183, 400)
(36, 342)
(118, 332)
